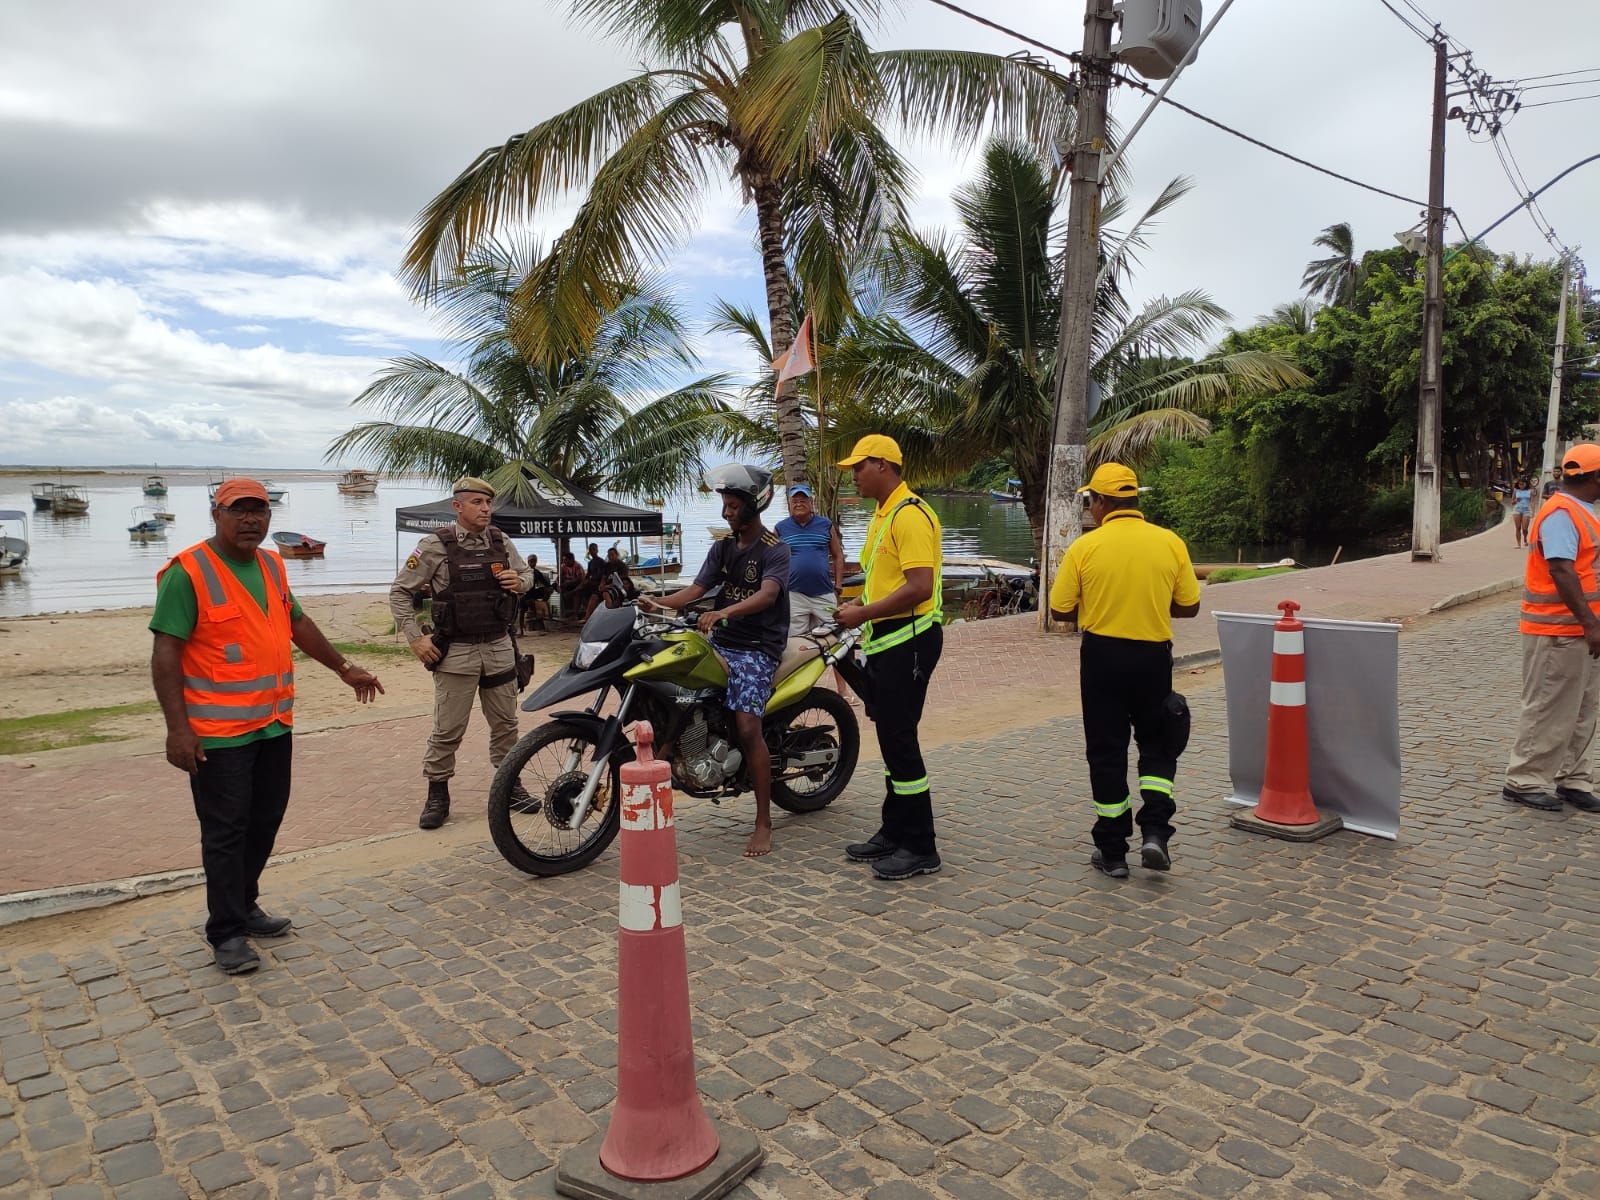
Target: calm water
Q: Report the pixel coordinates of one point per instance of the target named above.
(89, 562)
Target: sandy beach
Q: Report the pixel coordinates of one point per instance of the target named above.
(68, 662)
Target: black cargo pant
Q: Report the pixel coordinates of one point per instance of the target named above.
(1124, 684)
(240, 796)
(898, 678)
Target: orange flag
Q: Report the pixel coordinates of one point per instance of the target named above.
(797, 361)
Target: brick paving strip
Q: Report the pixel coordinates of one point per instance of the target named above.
(1354, 1017)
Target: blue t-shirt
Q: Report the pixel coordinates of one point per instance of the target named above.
(811, 566)
(1522, 499)
(1558, 536)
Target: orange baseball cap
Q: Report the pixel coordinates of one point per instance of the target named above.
(1581, 459)
(240, 489)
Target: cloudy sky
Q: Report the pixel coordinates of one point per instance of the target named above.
(204, 201)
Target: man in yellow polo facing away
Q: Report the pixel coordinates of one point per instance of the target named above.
(1122, 583)
(900, 606)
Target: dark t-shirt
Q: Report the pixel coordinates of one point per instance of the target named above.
(741, 573)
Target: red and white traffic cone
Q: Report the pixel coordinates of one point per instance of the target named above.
(1285, 808)
(659, 1130)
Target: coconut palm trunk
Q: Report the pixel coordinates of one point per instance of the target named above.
(780, 317)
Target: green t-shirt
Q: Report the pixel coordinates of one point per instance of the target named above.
(178, 611)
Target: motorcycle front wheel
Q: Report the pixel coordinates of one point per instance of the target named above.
(552, 763)
(821, 724)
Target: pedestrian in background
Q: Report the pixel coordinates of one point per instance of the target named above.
(900, 606)
(226, 688)
(1121, 584)
(1560, 628)
(817, 567)
(1521, 509)
(475, 576)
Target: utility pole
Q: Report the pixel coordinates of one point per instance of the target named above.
(1063, 510)
(1553, 414)
(1429, 481)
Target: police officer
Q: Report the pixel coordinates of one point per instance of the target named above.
(901, 609)
(475, 576)
(1122, 583)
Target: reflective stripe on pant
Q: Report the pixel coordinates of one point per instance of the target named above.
(452, 708)
(900, 677)
(240, 794)
(1124, 685)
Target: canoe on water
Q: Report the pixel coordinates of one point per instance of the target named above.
(298, 545)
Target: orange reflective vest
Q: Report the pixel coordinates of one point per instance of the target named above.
(1543, 610)
(238, 673)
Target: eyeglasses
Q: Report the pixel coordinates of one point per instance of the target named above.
(241, 510)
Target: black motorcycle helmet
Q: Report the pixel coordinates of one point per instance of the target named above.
(751, 484)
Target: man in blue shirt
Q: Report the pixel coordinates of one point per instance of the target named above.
(816, 558)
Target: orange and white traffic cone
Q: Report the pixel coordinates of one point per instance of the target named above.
(1285, 808)
(659, 1129)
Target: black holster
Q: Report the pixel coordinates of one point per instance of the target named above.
(442, 644)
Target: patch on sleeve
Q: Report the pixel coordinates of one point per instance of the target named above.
(413, 563)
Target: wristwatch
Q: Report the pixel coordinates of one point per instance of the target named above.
(345, 668)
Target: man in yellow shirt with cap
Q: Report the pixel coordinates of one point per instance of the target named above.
(1122, 583)
(901, 607)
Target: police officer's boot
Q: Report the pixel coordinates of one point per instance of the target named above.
(437, 810)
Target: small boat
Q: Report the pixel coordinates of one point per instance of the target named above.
(13, 540)
(162, 515)
(69, 499)
(298, 545)
(961, 573)
(358, 483)
(43, 496)
(1013, 492)
(146, 527)
(658, 556)
(155, 485)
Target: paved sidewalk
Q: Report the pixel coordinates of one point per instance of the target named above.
(365, 781)
(1414, 1019)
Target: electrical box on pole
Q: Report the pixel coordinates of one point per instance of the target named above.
(1157, 34)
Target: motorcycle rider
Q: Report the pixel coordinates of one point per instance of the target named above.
(749, 624)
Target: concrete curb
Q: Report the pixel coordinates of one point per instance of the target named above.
(1488, 589)
(80, 897)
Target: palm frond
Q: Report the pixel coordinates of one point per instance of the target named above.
(960, 96)
(1133, 440)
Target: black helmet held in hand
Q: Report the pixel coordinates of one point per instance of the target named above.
(753, 484)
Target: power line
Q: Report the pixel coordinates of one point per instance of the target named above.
(1215, 124)
(1566, 100)
(1540, 87)
(1183, 108)
(995, 25)
(1406, 21)
(1557, 75)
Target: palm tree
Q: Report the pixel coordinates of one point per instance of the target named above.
(1336, 277)
(587, 418)
(1296, 316)
(784, 96)
(961, 368)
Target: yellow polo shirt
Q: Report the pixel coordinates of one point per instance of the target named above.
(1124, 577)
(897, 540)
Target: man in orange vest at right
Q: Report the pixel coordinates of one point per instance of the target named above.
(1560, 645)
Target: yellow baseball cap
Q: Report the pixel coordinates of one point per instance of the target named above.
(875, 445)
(1112, 479)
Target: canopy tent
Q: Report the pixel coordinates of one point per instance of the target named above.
(557, 510)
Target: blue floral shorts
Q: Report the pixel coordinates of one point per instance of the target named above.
(750, 675)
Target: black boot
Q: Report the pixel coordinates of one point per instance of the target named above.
(437, 810)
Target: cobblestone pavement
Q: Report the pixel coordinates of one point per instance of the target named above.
(1349, 1018)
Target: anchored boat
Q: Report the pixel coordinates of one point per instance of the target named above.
(298, 545)
(358, 483)
(155, 485)
(13, 540)
(69, 499)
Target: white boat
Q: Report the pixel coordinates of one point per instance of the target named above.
(275, 494)
(155, 485)
(43, 496)
(358, 483)
(146, 527)
(13, 540)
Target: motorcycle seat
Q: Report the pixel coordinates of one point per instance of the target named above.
(796, 654)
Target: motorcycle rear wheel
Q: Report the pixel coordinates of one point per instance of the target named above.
(535, 842)
(822, 720)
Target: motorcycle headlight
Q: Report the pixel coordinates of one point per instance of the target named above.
(587, 653)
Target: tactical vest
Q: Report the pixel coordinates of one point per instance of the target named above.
(473, 604)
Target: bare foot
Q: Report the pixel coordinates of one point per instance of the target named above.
(760, 842)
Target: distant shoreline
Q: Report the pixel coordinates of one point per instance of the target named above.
(50, 473)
